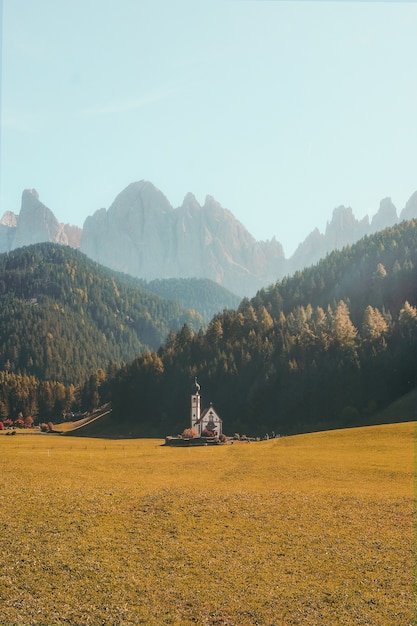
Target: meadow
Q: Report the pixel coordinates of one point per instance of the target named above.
(310, 530)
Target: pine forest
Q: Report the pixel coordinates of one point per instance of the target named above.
(325, 348)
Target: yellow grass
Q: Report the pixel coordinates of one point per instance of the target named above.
(314, 530)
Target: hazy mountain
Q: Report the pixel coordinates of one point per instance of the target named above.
(37, 224)
(141, 234)
(409, 212)
(344, 229)
(8, 225)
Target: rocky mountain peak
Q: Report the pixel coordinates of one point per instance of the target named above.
(211, 203)
(143, 235)
(30, 192)
(309, 250)
(409, 212)
(342, 216)
(190, 202)
(386, 215)
(36, 222)
(341, 229)
(140, 196)
(9, 219)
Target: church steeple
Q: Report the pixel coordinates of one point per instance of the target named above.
(196, 408)
(197, 386)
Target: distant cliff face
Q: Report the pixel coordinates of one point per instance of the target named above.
(409, 212)
(344, 229)
(143, 235)
(35, 224)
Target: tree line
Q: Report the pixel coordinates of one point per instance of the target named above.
(326, 347)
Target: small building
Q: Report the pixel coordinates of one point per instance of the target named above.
(206, 421)
(210, 423)
(207, 424)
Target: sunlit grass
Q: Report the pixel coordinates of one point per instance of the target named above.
(310, 530)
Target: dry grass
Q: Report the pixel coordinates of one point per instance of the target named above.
(314, 530)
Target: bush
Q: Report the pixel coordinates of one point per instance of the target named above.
(29, 421)
(189, 433)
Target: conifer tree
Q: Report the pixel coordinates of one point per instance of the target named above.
(373, 325)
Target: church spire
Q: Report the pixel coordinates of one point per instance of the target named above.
(196, 408)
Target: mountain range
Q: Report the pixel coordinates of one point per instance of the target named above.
(142, 235)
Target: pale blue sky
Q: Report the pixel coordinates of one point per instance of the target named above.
(280, 110)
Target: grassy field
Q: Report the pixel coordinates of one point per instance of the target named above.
(311, 530)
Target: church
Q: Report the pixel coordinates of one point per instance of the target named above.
(206, 422)
(206, 425)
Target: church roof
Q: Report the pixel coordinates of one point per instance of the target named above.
(208, 410)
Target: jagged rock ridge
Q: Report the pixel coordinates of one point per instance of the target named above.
(35, 224)
(143, 235)
(344, 229)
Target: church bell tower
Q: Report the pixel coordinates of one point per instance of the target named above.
(196, 409)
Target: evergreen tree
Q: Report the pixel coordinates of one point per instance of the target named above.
(374, 325)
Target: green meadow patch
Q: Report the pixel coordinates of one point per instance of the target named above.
(311, 530)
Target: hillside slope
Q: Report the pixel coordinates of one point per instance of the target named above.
(63, 315)
(326, 348)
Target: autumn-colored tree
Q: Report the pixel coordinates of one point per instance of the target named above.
(19, 421)
(374, 325)
(265, 320)
(189, 433)
(407, 320)
(214, 331)
(29, 421)
(342, 331)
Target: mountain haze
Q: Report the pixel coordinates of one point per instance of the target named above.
(35, 224)
(141, 234)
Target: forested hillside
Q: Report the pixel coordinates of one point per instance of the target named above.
(324, 348)
(327, 347)
(63, 315)
(199, 294)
